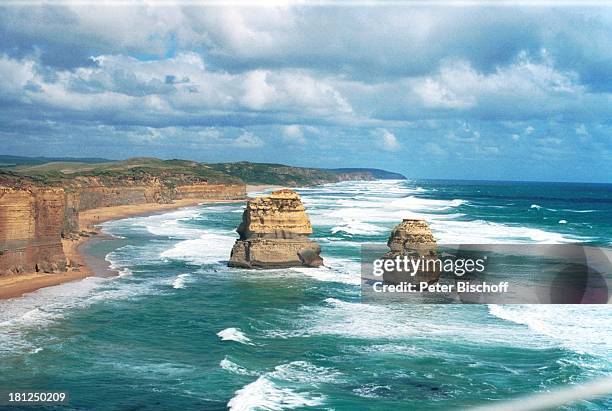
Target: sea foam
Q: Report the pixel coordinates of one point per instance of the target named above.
(234, 368)
(234, 334)
(270, 390)
(264, 394)
(180, 281)
(572, 326)
(209, 248)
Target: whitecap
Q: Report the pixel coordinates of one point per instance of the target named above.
(234, 334)
(264, 394)
(209, 248)
(234, 368)
(573, 326)
(485, 232)
(401, 323)
(371, 390)
(305, 373)
(354, 227)
(180, 280)
(335, 270)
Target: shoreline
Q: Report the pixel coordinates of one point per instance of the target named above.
(13, 286)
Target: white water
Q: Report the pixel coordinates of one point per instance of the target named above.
(270, 390)
(263, 394)
(581, 328)
(234, 334)
(180, 281)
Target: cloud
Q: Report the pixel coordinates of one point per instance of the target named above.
(248, 140)
(488, 150)
(388, 141)
(180, 78)
(293, 134)
(523, 89)
(581, 130)
(171, 91)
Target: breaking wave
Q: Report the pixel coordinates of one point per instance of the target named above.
(234, 334)
(180, 280)
(271, 391)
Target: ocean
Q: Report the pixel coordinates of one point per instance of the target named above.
(179, 330)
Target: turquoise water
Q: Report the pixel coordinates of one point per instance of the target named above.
(178, 330)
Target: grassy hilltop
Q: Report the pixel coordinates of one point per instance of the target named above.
(175, 171)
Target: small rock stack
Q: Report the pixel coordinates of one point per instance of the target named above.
(274, 234)
(414, 239)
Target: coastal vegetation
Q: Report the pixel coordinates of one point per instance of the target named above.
(176, 172)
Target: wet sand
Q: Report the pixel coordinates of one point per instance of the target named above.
(85, 264)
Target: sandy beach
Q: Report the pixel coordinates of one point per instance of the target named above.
(12, 286)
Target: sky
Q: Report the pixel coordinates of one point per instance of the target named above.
(432, 91)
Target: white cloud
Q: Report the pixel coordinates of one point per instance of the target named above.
(516, 137)
(172, 88)
(388, 141)
(15, 74)
(248, 140)
(581, 130)
(488, 150)
(524, 85)
(293, 134)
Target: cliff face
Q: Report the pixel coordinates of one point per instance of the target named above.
(31, 221)
(89, 193)
(212, 191)
(274, 233)
(93, 193)
(413, 239)
(34, 219)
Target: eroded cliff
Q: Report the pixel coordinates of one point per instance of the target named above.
(31, 221)
(34, 218)
(274, 233)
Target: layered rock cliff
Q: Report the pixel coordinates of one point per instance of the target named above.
(34, 218)
(413, 239)
(274, 233)
(89, 193)
(31, 221)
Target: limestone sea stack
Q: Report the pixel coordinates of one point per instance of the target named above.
(274, 234)
(414, 239)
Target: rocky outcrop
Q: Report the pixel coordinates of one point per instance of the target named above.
(274, 233)
(413, 239)
(31, 222)
(411, 236)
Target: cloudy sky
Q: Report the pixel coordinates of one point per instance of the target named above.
(476, 92)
